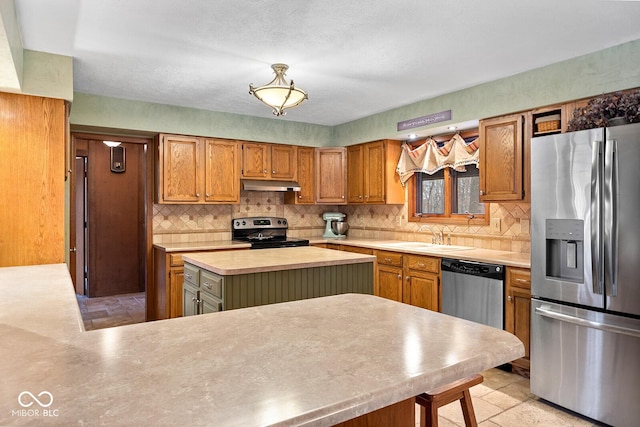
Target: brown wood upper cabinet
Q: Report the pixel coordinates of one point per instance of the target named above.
(269, 161)
(501, 158)
(331, 167)
(306, 179)
(194, 170)
(371, 176)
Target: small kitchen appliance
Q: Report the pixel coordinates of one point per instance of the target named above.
(264, 232)
(330, 217)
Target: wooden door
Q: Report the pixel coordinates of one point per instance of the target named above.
(306, 179)
(330, 176)
(501, 161)
(77, 232)
(284, 160)
(32, 180)
(222, 171)
(423, 290)
(179, 169)
(255, 160)
(390, 282)
(116, 221)
(373, 177)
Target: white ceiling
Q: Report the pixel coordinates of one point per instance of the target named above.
(354, 58)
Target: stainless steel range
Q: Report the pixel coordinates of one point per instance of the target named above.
(264, 232)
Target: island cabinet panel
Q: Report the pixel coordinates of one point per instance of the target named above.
(253, 289)
(501, 158)
(331, 168)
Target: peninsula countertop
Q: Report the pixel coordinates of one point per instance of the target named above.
(229, 263)
(311, 362)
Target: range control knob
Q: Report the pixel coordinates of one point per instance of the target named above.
(244, 223)
(279, 222)
(284, 222)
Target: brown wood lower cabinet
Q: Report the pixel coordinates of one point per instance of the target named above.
(518, 312)
(412, 279)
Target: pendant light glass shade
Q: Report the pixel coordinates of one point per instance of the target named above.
(278, 93)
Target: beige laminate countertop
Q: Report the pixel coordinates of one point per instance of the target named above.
(229, 263)
(511, 259)
(311, 362)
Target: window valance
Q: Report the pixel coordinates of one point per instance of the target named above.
(430, 157)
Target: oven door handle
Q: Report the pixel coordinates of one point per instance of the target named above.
(546, 311)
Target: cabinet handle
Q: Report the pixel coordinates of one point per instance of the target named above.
(399, 276)
(197, 194)
(207, 285)
(387, 260)
(343, 197)
(407, 278)
(195, 306)
(522, 281)
(481, 192)
(273, 172)
(366, 196)
(421, 264)
(509, 298)
(299, 197)
(207, 195)
(359, 197)
(188, 276)
(265, 171)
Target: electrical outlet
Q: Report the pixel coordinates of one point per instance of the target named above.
(398, 221)
(360, 219)
(200, 222)
(495, 225)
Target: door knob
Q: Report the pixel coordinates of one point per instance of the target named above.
(73, 250)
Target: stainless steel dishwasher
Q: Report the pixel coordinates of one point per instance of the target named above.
(473, 291)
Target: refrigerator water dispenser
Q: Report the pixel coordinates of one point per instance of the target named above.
(565, 249)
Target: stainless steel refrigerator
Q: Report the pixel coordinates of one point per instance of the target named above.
(585, 272)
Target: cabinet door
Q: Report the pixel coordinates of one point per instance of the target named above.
(330, 176)
(222, 171)
(390, 282)
(501, 161)
(283, 162)
(175, 291)
(209, 304)
(306, 178)
(189, 299)
(355, 172)
(373, 177)
(517, 309)
(179, 169)
(255, 160)
(423, 290)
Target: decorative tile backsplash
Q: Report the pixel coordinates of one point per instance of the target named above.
(201, 223)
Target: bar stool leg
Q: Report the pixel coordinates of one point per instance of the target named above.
(467, 409)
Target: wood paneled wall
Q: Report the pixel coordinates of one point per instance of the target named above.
(32, 174)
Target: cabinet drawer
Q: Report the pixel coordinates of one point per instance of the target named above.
(423, 263)
(519, 278)
(211, 284)
(191, 274)
(176, 260)
(389, 258)
(356, 249)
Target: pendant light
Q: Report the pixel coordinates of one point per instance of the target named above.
(278, 93)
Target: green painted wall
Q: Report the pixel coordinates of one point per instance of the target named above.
(48, 75)
(104, 112)
(603, 71)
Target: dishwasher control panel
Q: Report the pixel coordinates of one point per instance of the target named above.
(481, 269)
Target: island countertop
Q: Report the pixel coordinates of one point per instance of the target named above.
(311, 362)
(229, 263)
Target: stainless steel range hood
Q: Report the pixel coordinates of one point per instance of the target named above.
(258, 185)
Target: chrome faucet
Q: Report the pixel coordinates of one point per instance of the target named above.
(437, 239)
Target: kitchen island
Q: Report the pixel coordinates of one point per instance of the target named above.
(228, 280)
(318, 361)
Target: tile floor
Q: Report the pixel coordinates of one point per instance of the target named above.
(117, 310)
(503, 399)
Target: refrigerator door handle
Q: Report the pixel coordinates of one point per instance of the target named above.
(610, 198)
(596, 242)
(545, 311)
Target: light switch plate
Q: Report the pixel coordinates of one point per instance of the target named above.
(495, 225)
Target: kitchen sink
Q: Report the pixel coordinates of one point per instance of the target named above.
(426, 246)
